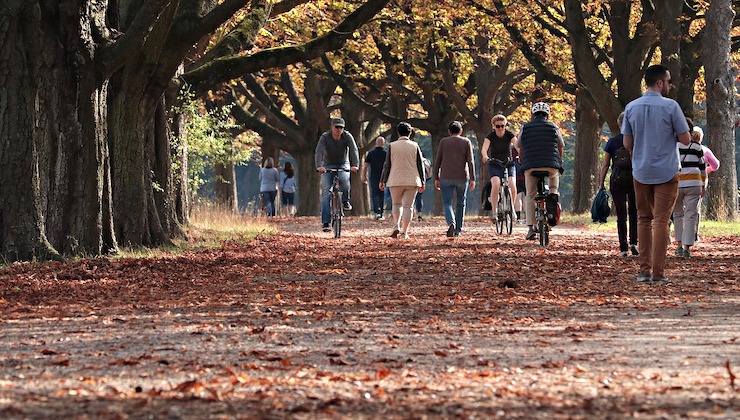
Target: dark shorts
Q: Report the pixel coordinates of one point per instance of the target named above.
(287, 199)
(496, 170)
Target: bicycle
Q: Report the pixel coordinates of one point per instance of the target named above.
(505, 206)
(541, 215)
(337, 207)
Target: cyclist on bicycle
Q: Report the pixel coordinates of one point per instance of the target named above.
(498, 145)
(336, 149)
(540, 146)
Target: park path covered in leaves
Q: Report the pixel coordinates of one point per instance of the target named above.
(304, 325)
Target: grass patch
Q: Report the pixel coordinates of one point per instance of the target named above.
(706, 227)
(209, 227)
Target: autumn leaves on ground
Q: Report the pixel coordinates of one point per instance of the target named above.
(303, 325)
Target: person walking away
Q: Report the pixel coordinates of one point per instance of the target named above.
(622, 189)
(454, 174)
(498, 145)
(540, 146)
(697, 135)
(403, 174)
(652, 125)
(419, 202)
(521, 190)
(336, 149)
(287, 190)
(269, 178)
(691, 188)
(373, 168)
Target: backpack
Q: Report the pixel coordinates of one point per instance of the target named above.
(484, 197)
(600, 208)
(622, 167)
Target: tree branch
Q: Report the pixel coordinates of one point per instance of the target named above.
(225, 69)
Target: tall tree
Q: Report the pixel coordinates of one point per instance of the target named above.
(720, 76)
(94, 77)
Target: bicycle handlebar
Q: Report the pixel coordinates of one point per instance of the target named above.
(502, 164)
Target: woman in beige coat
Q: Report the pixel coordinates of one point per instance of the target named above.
(403, 174)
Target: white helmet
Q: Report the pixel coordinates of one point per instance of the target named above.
(541, 107)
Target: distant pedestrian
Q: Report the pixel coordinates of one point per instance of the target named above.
(269, 178)
(652, 125)
(287, 190)
(373, 168)
(540, 145)
(697, 135)
(336, 149)
(691, 189)
(403, 174)
(496, 153)
(454, 174)
(622, 189)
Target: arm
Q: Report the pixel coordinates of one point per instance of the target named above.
(386, 169)
(319, 154)
(712, 161)
(420, 168)
(484, 150)
(604, 169)
(471, 165)
(628, 141)
(561, 144)
(354, 154)
(684, 138)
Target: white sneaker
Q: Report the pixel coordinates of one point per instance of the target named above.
(623, 254)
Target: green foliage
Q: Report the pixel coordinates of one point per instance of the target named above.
(207, 139)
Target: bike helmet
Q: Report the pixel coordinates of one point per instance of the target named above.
(541, 107)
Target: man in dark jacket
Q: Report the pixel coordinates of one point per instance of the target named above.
(371, 174)
(540, 147)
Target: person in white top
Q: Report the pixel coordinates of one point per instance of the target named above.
(403, 174)
(691, 181)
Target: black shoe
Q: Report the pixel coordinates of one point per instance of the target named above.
(532, 234)
(420, 218)
(325, 227)
(347, 206)
(633, 250)
(451, 231)
(395, 233)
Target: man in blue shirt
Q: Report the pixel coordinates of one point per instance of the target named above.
(373, 169)
(336, 149)
(652, 126)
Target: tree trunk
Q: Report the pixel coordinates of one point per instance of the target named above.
(54, 159)
(586, 169)
(308, 185)
(226, 186)
(720, 77)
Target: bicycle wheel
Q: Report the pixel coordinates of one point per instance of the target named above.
(544, 231)
(500, 215)
(507, 212)
(336, 214)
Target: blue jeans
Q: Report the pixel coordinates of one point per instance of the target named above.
(449, 188)
(377, 196)
(327, 181)
(268, 197)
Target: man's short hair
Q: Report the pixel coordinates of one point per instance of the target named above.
(404, 129)
(654, 73)
(455, 127)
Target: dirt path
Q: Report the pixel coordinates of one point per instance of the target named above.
(307, 326)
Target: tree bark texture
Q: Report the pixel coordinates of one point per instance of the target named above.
(53, 134)
(586, 168)
(720, 75)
